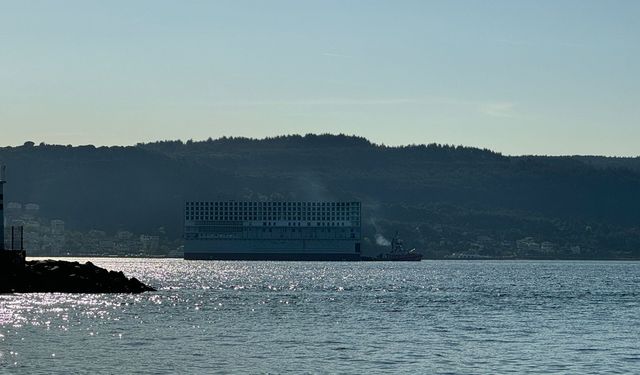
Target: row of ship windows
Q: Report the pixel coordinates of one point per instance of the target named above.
(222, 229)
(261, 217)
(268, 219)
(273, 204)
(308, 224)
(268, 210)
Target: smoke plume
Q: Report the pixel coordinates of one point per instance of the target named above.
(381, 241)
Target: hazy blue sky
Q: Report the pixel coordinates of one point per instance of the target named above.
(520, 77)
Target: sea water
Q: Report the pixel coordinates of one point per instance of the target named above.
(431, 317)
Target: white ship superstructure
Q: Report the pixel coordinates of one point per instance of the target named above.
(253, 230)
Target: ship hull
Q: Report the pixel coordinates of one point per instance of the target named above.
(335, 257)
(281, 249)
(400, 258)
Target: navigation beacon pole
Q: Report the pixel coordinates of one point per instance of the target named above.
(3, 180)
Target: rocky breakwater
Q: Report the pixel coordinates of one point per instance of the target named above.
(57, 276)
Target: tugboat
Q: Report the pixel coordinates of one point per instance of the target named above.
(398, 253)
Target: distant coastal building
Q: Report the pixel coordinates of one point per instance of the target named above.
(31, 210)
(56, 238)
(528, 245)
(12, 211)
(272, 230)
(149, 244)
(57, 227)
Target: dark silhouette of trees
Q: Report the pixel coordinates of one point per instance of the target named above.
(457, 189)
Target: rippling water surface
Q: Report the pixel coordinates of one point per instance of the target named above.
(428, 317)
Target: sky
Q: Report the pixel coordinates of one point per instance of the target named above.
(554, 77)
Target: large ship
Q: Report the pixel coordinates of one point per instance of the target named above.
(252, 230)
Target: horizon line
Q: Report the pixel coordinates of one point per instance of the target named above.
(266, 138)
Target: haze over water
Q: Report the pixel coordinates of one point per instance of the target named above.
(257, 317)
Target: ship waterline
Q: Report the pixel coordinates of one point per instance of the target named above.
(267, 249)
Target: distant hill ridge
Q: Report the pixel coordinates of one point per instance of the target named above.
(143, 187)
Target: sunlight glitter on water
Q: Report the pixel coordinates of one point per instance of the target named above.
(455, 317)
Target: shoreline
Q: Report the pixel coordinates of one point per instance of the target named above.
(38, 257)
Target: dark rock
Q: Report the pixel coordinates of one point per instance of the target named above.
(67, 277)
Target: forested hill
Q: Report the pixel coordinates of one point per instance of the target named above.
(441, 197)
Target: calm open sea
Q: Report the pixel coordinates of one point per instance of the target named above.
(448, 317)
